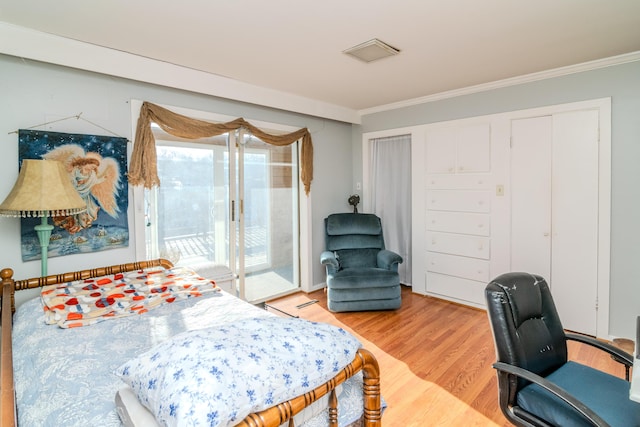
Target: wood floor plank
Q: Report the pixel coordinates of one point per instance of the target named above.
(435, 358)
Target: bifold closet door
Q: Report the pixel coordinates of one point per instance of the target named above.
(554, 209)
(574, 260)
(531, 195)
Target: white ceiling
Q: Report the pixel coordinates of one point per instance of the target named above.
(295, 46)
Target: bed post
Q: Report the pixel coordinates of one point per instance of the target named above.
(7, 393)
(371, 389)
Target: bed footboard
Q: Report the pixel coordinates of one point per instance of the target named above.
(275, 416)
(364, 361)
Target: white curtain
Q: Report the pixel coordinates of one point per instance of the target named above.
(391, 195)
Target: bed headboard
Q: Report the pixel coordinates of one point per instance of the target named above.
(38, 282)
(9, 286)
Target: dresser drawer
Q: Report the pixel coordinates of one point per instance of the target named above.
(458, 244)
(454, 287)
(458, 182)
(463, 267)
(459, 200)
(459, 222)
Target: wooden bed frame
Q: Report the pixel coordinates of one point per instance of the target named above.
(271, 417)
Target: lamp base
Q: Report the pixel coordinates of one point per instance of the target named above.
(43, 230)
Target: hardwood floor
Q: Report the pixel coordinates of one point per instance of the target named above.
(435, 358)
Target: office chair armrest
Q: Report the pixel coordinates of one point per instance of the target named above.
(591, 416)
(618, 354)
(388, 260)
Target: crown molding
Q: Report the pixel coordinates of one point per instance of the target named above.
(27, 43)
(527, 78)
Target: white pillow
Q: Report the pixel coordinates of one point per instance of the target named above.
(217, 376)
(131, 412)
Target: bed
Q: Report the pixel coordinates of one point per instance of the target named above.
(118, 368)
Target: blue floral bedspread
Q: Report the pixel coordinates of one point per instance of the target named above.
(67, 377)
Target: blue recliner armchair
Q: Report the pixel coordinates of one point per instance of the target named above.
(361, 274)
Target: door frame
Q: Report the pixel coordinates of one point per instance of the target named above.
(500, 140)
(603, 105)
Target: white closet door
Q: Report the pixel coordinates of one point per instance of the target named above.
(531, 195)
(575, 219)
(554, 210)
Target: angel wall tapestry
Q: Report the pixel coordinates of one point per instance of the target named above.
(97, 168)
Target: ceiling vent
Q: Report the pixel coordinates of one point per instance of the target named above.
(372, 50)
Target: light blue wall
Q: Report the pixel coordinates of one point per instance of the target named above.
(32, 93)
(622, 84)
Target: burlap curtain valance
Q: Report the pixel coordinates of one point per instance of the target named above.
(143, 168)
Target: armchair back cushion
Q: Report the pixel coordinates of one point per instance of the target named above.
(356, 239)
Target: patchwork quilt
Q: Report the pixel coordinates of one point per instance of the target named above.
(85, 302)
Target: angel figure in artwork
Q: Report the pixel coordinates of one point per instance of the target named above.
(97, 180)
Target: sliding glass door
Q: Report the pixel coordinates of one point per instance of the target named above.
(268, 228)
(231, 200)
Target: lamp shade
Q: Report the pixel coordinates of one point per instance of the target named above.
(43, 189)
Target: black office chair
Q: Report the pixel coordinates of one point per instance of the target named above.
(537, 384)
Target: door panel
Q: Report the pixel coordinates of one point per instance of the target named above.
(269, 219)
(575, 219)
(187, 219)
(228, 203)
(441, 151)
(474, 148)
(554, 210)
(530, 196)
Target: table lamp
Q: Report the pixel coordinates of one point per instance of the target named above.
(43, 189)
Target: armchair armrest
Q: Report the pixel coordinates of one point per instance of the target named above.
(329, 259)
(388, 260)
(591, 416)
